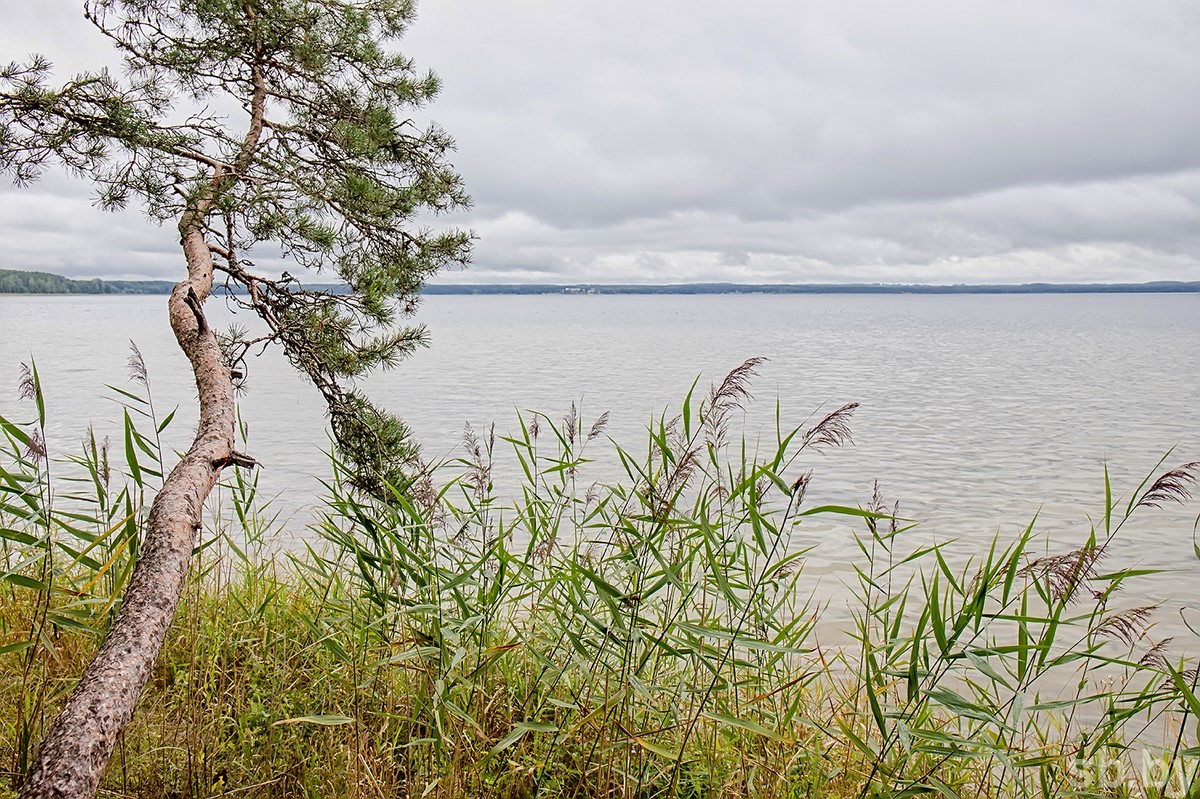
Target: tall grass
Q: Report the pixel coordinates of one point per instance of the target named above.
(651, 637)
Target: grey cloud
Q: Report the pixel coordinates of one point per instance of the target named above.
(1150, 222)
(774, 141)
(845, 104)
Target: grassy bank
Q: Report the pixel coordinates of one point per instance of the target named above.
(559, 638)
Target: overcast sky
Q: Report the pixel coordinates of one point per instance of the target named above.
(665, 141)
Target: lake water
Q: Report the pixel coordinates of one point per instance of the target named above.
(976, 411)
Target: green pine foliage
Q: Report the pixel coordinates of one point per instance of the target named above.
(331, 165)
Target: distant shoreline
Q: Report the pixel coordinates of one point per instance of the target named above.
(17, 282)
(1157, 287)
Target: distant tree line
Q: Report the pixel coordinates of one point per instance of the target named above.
(14, 281)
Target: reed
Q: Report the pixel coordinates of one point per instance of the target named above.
(654, 637)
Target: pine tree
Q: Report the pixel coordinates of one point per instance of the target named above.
(257, 126)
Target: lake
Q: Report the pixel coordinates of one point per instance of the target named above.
(977, 411)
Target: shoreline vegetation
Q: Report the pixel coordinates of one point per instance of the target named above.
(14, 281)
(650, 638)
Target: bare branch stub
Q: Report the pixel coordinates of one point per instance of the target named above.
(193, 302)
(239, 459)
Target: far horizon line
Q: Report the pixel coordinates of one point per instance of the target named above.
(59, 284)
(723, 287)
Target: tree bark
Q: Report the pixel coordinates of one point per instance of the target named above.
(81, 740)
(77, 749)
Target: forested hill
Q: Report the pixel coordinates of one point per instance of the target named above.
(14, 281)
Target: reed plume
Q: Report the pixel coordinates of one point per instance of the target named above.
(27, 385)
(833, 430)
(1156, 656)
(731, 395)
(1065, 573)
(479, 460)
(1173, 486)
(1128, 626)
(598, 427)
(137, 366)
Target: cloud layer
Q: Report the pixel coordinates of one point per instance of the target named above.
(776, 142)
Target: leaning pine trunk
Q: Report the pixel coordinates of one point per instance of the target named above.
(80, 743)
(81, 740)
